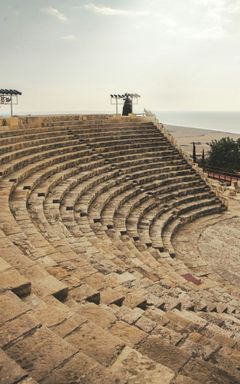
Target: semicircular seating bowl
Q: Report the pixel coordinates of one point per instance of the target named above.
(89, 287)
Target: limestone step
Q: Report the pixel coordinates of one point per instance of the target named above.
(11, 279)
(11, 372)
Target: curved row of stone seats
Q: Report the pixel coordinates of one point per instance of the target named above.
(95, 194)
(159, 345)
(170, 228)
(15, 139)
(136, 221)
(148, 199)
(160, 220)
(19, 218)
(49, 121)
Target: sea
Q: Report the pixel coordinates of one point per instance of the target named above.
(226, 121)
(217, 121)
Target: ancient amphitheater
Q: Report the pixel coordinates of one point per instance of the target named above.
(91, 288)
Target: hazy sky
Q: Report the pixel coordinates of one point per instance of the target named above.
(70, 55)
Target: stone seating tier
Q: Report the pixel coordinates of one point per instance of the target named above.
(90, 289)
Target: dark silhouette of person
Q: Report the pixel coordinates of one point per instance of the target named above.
(127, 106)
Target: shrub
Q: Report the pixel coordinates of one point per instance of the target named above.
(225, 153)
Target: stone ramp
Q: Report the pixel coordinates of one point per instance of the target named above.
(90, 290)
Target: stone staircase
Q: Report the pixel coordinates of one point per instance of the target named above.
(90, 289)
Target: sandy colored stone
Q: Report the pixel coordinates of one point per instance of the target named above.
(95, 313)
(86, 292)
(135, 299)
(49, 311)
(205, 372)
(10, 279)
(112, 296)
(127, 280)
(14, 329)
(40, 352)
(12, 254)
(96, 343)
(158, 350)
(44, 284)
(84, 272)
(130, 334)
(220, 335)
(229, 360)
(170, 336)
(10, 371)
(157, 315)
(129, 315)
(139, 369)
(96, 280)
(146, 324)
(81, 369)
(200, 346)
(4, 266)
(184, 380)
(184, 321)
(28, 380)
(11, 307)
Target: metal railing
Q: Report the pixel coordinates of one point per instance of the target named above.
(221, 174)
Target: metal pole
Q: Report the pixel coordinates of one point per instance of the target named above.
(11, 106)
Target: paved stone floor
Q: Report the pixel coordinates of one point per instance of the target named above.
(213, 244)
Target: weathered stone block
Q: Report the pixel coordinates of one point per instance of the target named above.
(11, 307)
(40, 353)
(96, 342)
(10, 279)
(130, 334)
(10, 371)
(158, 350)
(204, 372)
(139, 369)
(81, 369)
(14, 329)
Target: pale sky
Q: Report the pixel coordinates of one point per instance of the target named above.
(70, 55)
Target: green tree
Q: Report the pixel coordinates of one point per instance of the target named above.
(225, 153)
(194, 153)
(203, 158)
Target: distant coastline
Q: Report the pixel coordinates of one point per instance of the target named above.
(228, 121)
(185, 136)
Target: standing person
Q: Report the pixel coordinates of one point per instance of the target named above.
(127, 106)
